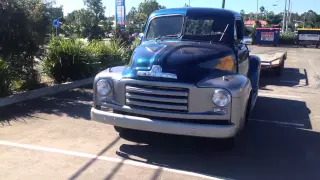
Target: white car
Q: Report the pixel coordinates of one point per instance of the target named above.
(247, 40)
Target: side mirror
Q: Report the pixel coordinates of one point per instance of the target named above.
(141, 35)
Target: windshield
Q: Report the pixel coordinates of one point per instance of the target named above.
(167, 26)
(197, 28)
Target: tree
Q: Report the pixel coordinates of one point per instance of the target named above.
(78, 23)
(148, 6)
(262, 9)
(274, 19)
(137, 17)
(242, 12)
(96, 8)
(24, 25)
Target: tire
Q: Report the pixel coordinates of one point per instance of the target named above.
(119, 129)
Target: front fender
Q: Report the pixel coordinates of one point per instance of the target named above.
(238, 85)
(240, 88)
(113, 73)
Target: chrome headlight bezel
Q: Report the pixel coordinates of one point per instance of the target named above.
(221, 97)
(103, 87)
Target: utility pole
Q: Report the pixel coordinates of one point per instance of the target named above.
(284, 20)
(290, 10)
(257, 10)
(223, 3)
(287, 18)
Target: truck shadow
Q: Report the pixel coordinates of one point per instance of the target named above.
(262, 151)
(291, 77)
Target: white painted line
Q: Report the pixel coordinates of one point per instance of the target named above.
(279, 95)
(277, 122)
(105, 158)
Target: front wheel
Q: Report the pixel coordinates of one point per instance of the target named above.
(119, 129)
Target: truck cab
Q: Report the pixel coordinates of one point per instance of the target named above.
(191, 75)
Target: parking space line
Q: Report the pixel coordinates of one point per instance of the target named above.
(105, 158)
(277, 122)
(279, 95)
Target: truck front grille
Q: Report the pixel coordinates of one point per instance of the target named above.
(157, 98)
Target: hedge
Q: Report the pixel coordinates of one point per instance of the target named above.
(73, 59)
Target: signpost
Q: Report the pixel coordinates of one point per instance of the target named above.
(120, 12)
(56, 25)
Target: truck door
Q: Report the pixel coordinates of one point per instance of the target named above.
(242, 50)
(243, 59)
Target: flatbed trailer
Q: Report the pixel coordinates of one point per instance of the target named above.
(273, 60)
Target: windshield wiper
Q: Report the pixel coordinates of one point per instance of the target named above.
(168, 36)
(224, 31)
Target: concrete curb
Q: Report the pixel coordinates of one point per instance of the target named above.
(43, 92)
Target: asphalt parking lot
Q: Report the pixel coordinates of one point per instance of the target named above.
(53, 138)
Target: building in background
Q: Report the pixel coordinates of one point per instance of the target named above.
(252, 23)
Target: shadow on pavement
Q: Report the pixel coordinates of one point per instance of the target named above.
(282, 110)
(262, 151)
(74, 103)
(290, 77)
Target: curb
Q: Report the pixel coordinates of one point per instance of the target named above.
(43, 92)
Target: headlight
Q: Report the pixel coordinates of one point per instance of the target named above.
(221, 97)
(103, 87)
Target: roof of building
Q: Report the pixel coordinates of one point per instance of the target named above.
(251, 22)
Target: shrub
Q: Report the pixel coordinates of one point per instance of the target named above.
(73, 59)
(68, 59)
(287, 38)
(4, 78)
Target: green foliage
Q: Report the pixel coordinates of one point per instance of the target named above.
(67, 59)
(274, 19)
(137, 17)
(308, 19)
(287, 38)
(73, 59)
(4, 78)
(88, 23)
(24, 25)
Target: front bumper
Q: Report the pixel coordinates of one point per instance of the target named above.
(160, 126)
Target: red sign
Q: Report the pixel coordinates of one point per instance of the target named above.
(267, 36)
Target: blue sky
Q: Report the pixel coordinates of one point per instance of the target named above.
(299, 6)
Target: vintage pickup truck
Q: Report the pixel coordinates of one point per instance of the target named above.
(191, 75)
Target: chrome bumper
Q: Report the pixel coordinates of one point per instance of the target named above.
(160, 126)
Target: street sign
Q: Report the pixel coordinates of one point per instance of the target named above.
(56, 23)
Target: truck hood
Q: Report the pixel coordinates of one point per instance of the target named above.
(189, 61)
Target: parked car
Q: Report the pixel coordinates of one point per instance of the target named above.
(194, 78)
(247, 40)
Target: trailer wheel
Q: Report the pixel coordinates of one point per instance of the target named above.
(279, 70)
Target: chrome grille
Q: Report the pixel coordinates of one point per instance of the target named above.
(157, 98)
